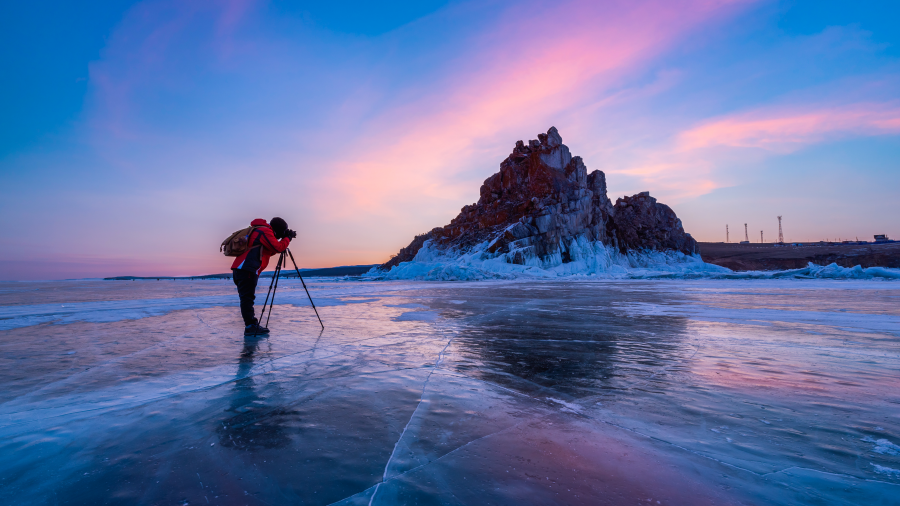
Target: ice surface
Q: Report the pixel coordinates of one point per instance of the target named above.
(525, 391)
(594, 259)
(24, 315)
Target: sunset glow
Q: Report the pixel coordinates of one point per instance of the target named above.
(193, 119)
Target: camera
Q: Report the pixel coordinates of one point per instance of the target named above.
(290, 234)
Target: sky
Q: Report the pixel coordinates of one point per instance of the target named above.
(136, 136)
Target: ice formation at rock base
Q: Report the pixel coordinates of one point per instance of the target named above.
(593, 259)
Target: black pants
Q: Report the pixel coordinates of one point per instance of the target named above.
(246, 287)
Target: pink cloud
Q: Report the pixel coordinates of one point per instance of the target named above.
(676, 178)
(689, 167)
(507, 84)
(789, 129)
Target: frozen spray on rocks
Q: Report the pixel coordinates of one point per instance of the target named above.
(543, 214)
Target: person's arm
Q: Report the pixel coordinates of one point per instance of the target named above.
(268, 240)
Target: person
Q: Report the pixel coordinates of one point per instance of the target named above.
(264, 241)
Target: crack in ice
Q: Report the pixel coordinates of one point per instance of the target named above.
(437, 363)
(404, 473)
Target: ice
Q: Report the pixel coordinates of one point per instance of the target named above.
(883, 446)
(531, 390)
(24, 315)
(594, 259)
(853, 322)
(587, 258)
(410, 316)
(886, 470)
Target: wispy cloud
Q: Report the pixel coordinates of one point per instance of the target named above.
(791, 128)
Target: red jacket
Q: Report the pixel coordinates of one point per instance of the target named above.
(262, 246)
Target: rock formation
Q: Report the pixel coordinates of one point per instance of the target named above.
(541, 201)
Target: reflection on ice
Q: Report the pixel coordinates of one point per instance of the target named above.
(252, 424)
(505, 392)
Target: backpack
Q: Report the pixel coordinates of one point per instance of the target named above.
(237, 243)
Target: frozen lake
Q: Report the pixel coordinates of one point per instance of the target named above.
(664, 392)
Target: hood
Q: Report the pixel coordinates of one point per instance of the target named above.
(259, 222)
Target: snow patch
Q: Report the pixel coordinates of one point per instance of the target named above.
(567, 406)
(883, 446)
(886, 470)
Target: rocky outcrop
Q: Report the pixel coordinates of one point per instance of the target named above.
(640, 223)
(542, 200)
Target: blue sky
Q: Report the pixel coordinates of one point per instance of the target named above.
(135, 134)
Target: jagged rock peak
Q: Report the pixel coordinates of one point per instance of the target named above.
(541, 200)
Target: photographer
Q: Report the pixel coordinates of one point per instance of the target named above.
(264, 241)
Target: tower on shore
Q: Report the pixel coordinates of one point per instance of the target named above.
(780, 234)
(746, 236)
(726, 234)
(760, 236)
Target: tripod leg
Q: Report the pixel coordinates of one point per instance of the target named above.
(304, 287)
(263, 313)
(277, 275)
(271, 283)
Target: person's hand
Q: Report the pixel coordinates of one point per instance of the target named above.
(290, 234)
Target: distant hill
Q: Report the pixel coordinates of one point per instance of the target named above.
(344, 270)
(769, 256)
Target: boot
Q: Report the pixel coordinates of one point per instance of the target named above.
(255, 329)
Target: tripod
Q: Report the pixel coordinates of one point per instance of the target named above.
(273, 287)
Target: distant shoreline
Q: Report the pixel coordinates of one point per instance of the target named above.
(345, 270)
(769, 256)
